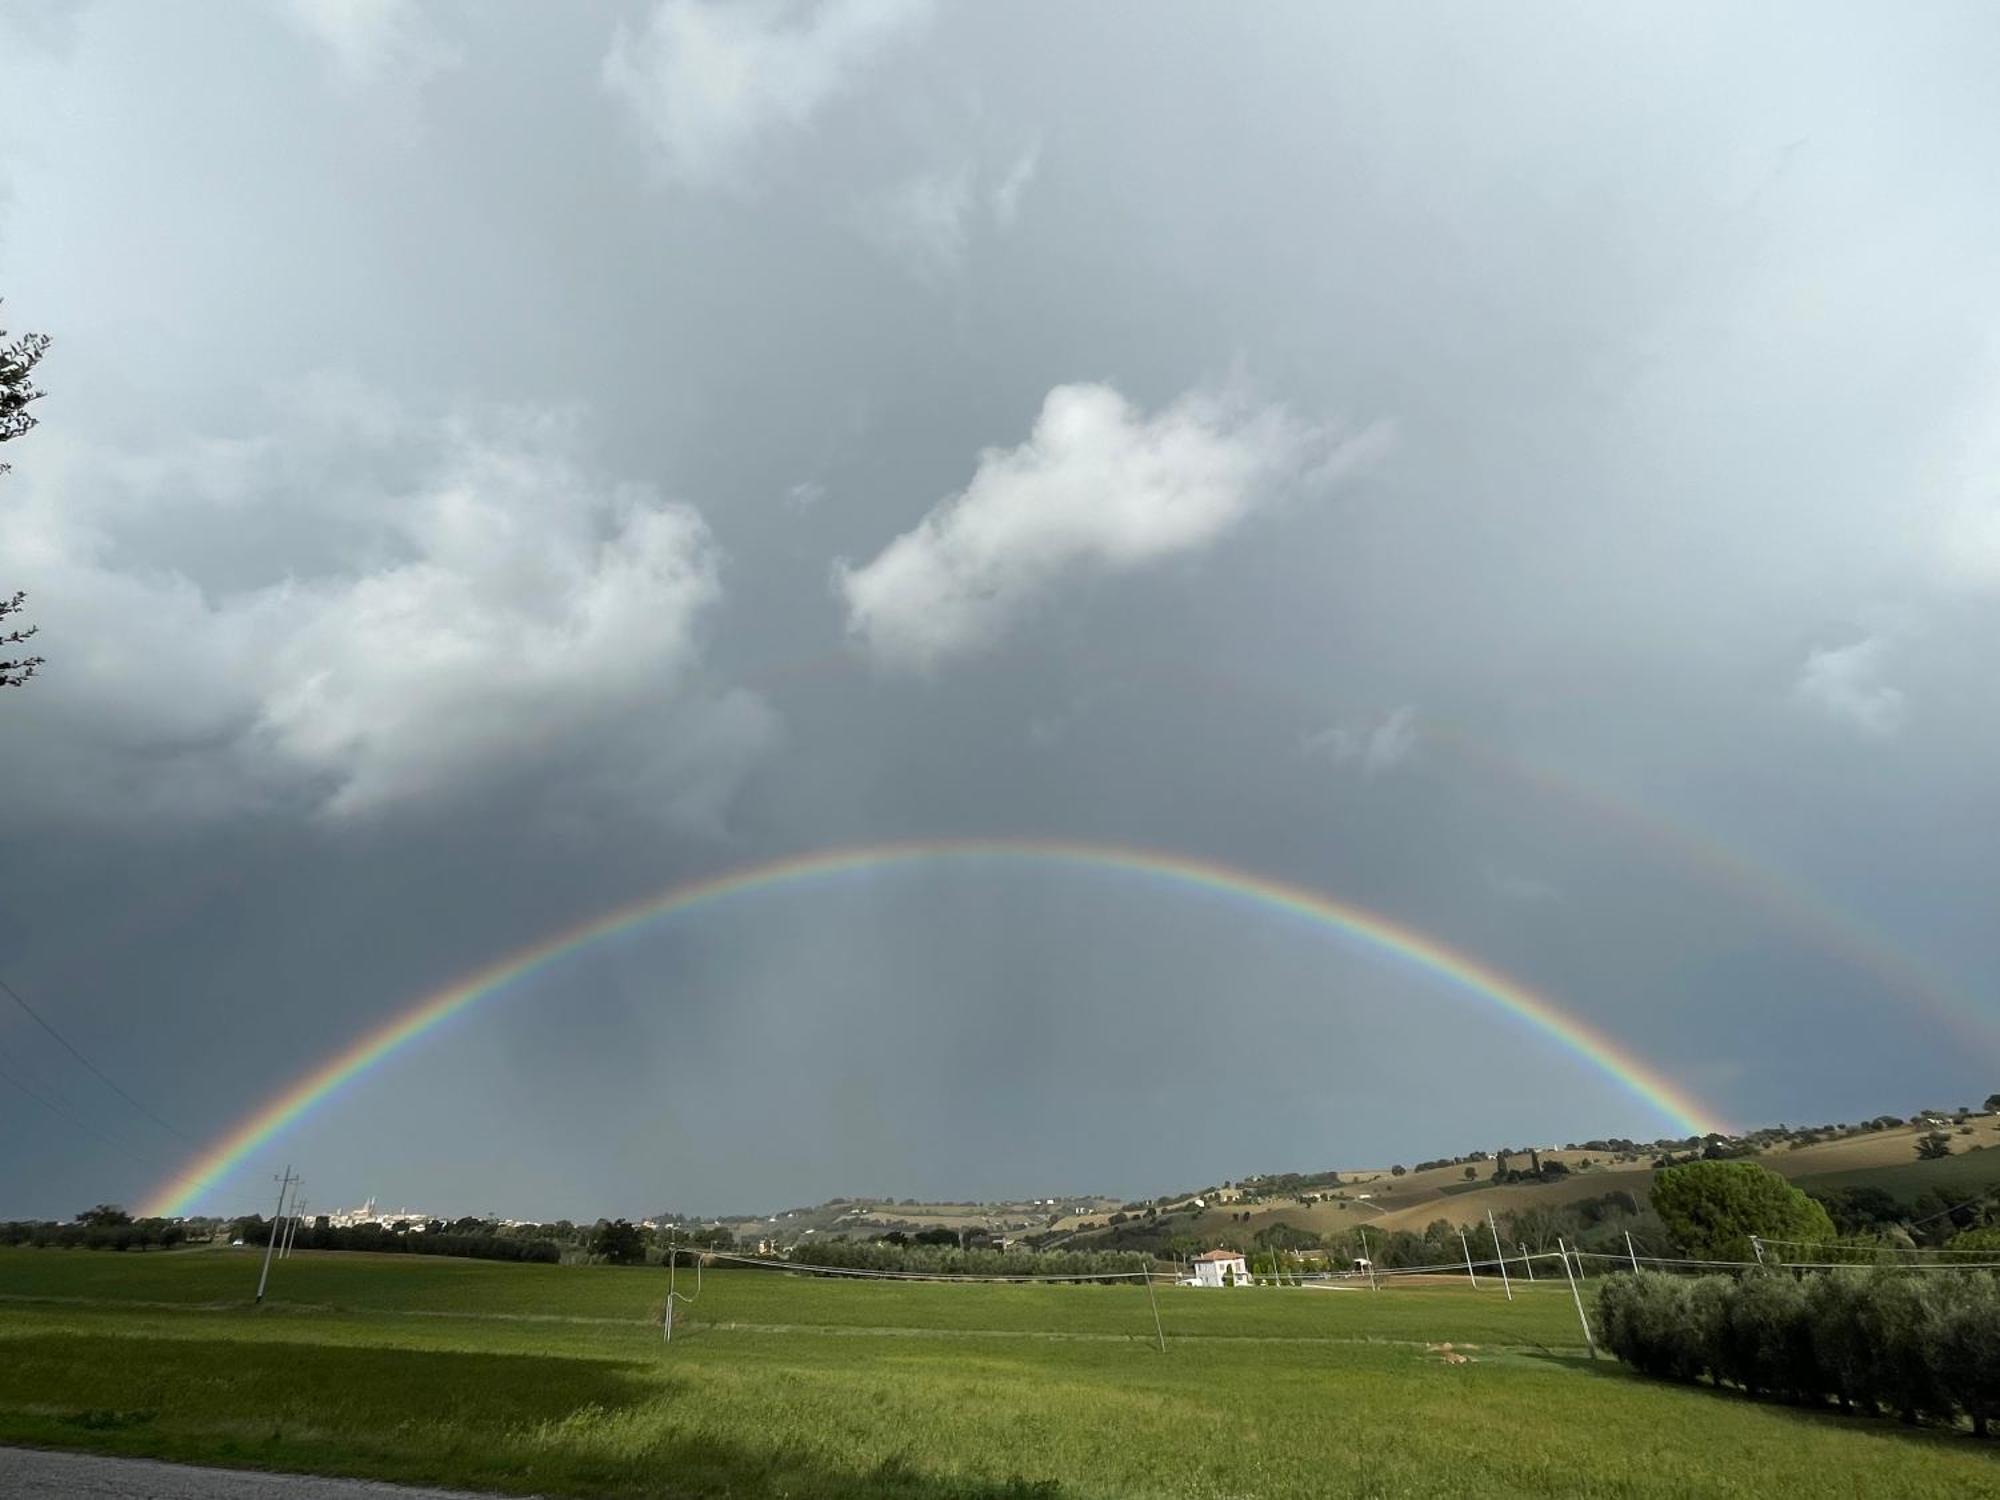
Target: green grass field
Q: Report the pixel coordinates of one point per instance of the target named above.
(555, 1379)
(1962, 1175)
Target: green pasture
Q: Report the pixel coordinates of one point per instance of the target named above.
(555, 1379)
(1964, 1174)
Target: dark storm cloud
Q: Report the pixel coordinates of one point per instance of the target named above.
(500, 461)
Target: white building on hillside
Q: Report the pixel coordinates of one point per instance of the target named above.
(368, 1213)
(1220, 1268)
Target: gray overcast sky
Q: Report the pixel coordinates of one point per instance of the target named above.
(1532, 472)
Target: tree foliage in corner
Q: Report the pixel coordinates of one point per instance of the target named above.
(1711, 1208)
(17, 364)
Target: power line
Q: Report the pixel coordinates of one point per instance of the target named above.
(151, 1164)
(57, 1107)
(1919, 1223)
(96, 1072)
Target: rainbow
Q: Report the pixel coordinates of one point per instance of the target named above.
(228, 1152)
(1808, 914)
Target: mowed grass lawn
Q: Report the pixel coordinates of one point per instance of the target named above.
(555, 1379)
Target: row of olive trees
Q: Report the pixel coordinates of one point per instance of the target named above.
(1920, 1346)
(878, 1255)
(94, 1234)
(377, 1240)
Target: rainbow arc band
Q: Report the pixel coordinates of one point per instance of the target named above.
(1807, 914)
(228, 1152)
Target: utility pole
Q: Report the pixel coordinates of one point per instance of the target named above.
(1158, 1332)
(667, 1325)
(1578, 1298)
(1528, 1262)
(1758, 1246)
(292, 1223)
(284, 1186)
(1631, 1254)
(1367, 1259)
(1466, 1245)
(1500, 1256)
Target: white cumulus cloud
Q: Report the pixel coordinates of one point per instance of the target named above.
(1845, 682)
(475, 603)
(712, 82)
(1098, 486)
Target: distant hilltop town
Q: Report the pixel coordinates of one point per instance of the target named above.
(417, 1220)
(410, 1220)
(368, 1213)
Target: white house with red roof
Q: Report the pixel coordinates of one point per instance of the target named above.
(1220, 1268)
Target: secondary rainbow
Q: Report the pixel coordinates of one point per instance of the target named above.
(1370, 930)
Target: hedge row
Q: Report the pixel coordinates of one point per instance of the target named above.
(877, 1255)
(1918, 1345)
(45, 1234)
(377, 1240)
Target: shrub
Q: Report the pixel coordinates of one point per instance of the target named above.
(1646, 1321)
(1707, 1326)
(1968, 1363)
(1903, 1331)
(1768, 1337)
(1834, 1304)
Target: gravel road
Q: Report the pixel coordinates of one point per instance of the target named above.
(31, 1474)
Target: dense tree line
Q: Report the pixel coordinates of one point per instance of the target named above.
(85, 1234)
(1920, 1346)
(375, 1238)
(1597, 1223)
(948, 1260)
(1449, 1161)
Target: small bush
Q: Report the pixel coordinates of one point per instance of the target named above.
(1834, 1304)
(1969, 1346)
